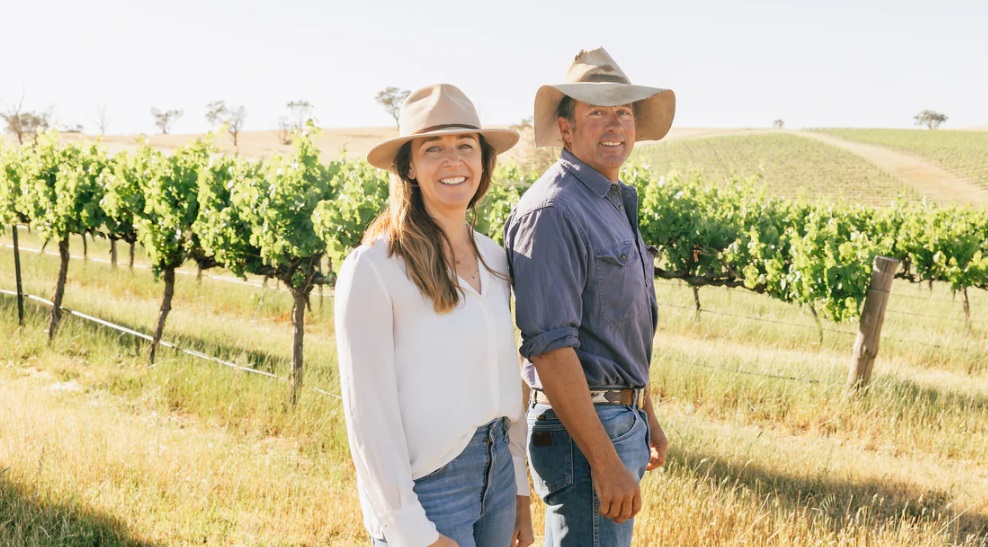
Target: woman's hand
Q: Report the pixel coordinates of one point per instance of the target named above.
(523, 536)
(444, 541)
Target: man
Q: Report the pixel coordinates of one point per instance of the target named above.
(585, 304)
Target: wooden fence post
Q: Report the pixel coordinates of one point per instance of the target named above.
(17, 275)
(872, 317)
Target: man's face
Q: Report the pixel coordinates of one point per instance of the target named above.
(600, 136)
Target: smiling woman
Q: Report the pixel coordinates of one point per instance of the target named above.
(428, 364)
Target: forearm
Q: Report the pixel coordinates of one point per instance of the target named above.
(566, 386)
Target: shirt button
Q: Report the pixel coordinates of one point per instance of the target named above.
(624, 257)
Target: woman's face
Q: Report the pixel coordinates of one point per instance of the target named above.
(448, 169)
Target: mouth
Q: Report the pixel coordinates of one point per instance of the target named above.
(611, 144)
(452, 181)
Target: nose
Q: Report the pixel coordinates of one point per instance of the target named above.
(452, 157)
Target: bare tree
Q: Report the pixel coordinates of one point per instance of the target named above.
(235, 122)
(24, 124)
(215, 111)
(285, 130)
(163, 119)
(778, 124)
(101, 120)
(391, 98)
(302, 112)
(930, 118)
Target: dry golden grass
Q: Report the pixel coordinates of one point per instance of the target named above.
(95, 448)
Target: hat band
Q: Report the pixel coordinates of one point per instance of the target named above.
(597, 77)
(445, 126)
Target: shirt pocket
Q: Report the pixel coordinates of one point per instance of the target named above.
(620, 283)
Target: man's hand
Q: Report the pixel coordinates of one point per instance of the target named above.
(523, 535)
(566, 386)
(617, 490)
(658, 444)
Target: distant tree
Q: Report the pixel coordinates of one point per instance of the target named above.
(235, 122)
(285, 130)
(215, 111)
(233, 118)
(101, 120)
(930, 118)
(391, 98)
(163, 119)
(24, 124)
(301, 112)
(71, 128)
(778, 124)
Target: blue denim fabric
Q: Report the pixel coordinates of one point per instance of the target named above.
(561, 475)
(472, 498)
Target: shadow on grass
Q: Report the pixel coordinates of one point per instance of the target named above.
(26, 520)
(879, 504)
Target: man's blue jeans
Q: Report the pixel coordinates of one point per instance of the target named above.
(472, 498)
(561, 474)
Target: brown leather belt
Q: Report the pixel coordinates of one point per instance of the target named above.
(633, 397)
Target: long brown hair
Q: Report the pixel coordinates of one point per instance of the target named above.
(414, 236)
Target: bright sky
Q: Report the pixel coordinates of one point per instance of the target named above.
(732, 63)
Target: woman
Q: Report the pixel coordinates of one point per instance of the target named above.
(428, 362)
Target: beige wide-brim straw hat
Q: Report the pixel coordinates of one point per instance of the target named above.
(437, 110)
(594, 78)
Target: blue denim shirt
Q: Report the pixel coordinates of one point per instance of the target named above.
(582, 275)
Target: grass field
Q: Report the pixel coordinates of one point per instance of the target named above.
(964, 153)
(766, 448)
(789, 165)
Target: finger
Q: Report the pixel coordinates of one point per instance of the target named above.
(636, 505)
(655, 459)
(627, 511)
(605, 508)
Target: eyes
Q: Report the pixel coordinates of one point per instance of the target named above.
(437, 149)
(621, 111)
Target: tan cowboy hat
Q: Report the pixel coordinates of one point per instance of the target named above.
(440, 109)
(594, 78)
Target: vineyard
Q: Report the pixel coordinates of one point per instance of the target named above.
(293, 219)
(779, 159)
(960, 152)
(765, 441)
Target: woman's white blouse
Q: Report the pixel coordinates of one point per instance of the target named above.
(417, 384)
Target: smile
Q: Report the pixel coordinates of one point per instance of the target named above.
(611, 143)
(452, 181)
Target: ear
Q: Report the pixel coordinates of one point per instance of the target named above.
(411, 171)
(565, 130)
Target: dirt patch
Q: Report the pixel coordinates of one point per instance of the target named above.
(928, 179)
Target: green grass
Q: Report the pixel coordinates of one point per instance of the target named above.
(766, 446)
(964, 153)
(788, 165)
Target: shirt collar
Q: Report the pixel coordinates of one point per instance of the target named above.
(590, 177)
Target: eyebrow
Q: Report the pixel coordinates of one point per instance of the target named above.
(439, 137)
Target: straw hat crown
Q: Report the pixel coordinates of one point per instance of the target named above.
(437, 110)
(595, 78)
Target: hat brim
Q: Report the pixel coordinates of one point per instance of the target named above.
(383, 154)
(655, 107)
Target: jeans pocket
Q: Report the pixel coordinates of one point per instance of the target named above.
(629, 434)
(434, 474)
(550, 453)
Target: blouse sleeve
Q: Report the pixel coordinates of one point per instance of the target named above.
(517, 440)
(368, 380)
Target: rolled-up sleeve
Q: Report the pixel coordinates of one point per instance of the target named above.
(368, 380)
(548, 258)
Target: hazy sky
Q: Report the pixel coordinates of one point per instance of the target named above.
(732, 63)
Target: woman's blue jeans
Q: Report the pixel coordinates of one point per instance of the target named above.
(472, 498)
(561, 474)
